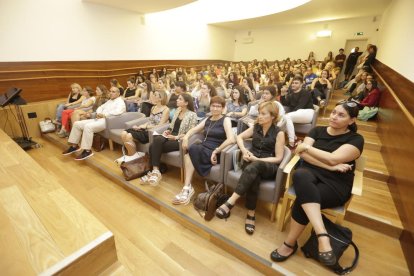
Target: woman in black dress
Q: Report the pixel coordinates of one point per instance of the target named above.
(323, 179)
(261, 162)
(201, 157)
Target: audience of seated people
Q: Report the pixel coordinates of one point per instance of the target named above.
(83, 131)
(325, 176)
(86, 102)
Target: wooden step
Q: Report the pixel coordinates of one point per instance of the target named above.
(375, 166)
(117, 269)
(44, 229)
(375, 209)
(372, 141)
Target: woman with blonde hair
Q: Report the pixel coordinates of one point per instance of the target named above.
(158, 116)
(261, 162)
(73, 99)
(86, 102)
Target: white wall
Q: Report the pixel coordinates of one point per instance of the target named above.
(296, 41)
(396, 38)
(58, 30)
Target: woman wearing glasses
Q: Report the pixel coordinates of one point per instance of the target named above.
(323, 179)
(201, 157)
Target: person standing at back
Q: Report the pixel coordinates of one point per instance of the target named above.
(351, 62)
(340, 59)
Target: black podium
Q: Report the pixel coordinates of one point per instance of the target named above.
(12, 97)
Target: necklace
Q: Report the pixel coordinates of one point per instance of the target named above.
(210, 127)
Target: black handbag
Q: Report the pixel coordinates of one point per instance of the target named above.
(341, 238)
(139, 134)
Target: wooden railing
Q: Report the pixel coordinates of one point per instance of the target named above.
(396, 129)
(50, 80)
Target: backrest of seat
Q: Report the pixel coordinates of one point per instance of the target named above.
(287, 156)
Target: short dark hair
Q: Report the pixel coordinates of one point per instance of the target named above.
(296, 78)
(342, 49)
(131, 79)
(182, 85)
(219, 100)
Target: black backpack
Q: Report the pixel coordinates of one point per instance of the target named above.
(341, 238)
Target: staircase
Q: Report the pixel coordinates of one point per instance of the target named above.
(375, 209)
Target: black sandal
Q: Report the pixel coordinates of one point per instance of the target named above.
(223, 214)
(250, 227)
(327, 258)
(275, 256)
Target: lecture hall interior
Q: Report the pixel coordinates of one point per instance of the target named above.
(111, 83)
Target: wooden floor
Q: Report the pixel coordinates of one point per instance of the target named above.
(146, 233)
(148, 242)
(42, 226)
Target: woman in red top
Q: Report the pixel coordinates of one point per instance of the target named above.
(372, 94)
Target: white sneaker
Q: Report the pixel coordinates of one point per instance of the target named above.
(127, 158)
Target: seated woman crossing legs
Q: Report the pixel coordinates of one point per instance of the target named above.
(261, 162)
(184, 119)
(202, 157)
(323, 179)
(159, 115)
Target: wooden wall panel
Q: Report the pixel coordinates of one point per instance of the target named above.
(396, 131)
(50, 80)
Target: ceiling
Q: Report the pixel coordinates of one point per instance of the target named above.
(140, 6)
(313, 11)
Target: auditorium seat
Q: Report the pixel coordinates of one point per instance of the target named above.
(270, 190)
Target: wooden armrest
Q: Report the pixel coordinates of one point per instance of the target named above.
(292, 163)
(357, 185)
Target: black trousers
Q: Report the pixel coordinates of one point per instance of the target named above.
(309, 189)
(159, 146)
(249, 182)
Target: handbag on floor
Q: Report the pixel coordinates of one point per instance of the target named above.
(135, 168)
(340, 238)
(99, 142)
(207, 201)
(47, 126)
